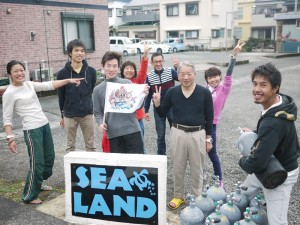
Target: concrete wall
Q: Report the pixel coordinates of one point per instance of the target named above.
(262, 21)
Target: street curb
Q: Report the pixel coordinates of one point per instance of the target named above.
(283, 55)
(226, 64)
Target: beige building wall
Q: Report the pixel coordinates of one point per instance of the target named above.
(244, 17)
(212, 16)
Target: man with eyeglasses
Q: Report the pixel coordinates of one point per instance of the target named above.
(163, 78)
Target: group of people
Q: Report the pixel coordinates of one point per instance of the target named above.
(192, 110)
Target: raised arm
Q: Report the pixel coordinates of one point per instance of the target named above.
(142, 74)
(232, 62)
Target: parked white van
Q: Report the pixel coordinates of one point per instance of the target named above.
(123, 45)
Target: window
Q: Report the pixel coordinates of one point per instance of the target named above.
(261, 34)
(268, 11)
(123, 33)
(238, 32)
(109, 12)
(172, 34)
(215, 33)
(148, 34)
(172, 10)
(119, 12)
(222, 32)
(298, 23)
(78, 26)
(288, 22)
(240, 13)
(191, 8)
(191, 34)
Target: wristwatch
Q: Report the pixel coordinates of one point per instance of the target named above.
(9, 136)
(210, 140)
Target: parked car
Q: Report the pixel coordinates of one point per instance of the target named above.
(177, 44)
(155, 47)
(123, 45)
(136, 40)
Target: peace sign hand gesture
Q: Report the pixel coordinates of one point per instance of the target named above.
(238, 48)
(156, 97)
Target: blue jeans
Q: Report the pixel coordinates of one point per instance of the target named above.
(160, 126)
(213, 155)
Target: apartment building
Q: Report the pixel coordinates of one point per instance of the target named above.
(115, 14)
(206, 24)
(243, 16)
(140, 20)
(288, 27)
(37, 33)
(263, 25)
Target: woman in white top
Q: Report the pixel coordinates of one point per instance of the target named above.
(20, 97)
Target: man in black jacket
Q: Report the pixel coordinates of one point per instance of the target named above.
(76, 103)
(276, 136)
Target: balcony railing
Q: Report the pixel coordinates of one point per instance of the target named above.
(140, 18)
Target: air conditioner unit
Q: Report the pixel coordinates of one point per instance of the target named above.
(45, 74)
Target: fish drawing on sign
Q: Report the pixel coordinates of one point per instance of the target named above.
(121, 99)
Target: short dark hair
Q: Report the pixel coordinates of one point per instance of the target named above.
(212, 72)
(270, 72)
(75, 43)
(155, 54)
(110, 55)
(11, 64)
(128, 63)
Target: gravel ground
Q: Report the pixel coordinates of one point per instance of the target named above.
(239, 111)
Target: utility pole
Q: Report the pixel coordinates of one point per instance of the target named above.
(226, 30)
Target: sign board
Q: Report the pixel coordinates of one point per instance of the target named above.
(111, 189)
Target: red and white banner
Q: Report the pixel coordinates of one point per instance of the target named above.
(124, 98)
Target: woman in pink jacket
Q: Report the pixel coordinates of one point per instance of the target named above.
(220, 92)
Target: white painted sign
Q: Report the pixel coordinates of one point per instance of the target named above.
(115, 189)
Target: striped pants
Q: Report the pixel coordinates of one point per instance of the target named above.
(41, 159)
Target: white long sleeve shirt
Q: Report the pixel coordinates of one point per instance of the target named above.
(24, 101)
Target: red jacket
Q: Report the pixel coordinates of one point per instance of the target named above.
(140, 79)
